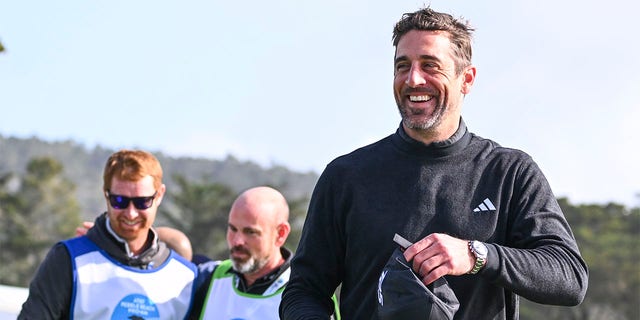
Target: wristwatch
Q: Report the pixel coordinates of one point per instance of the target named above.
(479, 250)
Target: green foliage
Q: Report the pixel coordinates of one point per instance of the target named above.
(609, 241)
(297, 214)
(200, 210)
(36, 210)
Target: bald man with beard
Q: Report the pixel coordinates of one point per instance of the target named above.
(249, 284)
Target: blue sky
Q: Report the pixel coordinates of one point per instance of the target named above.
(298, 83)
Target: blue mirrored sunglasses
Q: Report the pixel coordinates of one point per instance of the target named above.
(122, 202)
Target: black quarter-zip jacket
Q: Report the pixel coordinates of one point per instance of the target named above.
(468, 187)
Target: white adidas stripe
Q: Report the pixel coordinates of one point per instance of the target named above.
(486, 205)
(489, 204)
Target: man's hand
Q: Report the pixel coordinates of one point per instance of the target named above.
(437, 255)
(81, 231)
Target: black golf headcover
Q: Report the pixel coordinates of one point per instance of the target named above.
(402, 295)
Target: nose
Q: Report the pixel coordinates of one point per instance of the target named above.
(235, 238)
(415, 78)
(130, 211)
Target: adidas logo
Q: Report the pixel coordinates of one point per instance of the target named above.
(486, 205)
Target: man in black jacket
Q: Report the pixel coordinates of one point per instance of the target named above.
(480, 215)
(119, 269)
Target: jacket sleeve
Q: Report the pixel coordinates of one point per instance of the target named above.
(51, 287)
(540, 260)
(313, 277)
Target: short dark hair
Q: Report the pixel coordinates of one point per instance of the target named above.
(459, 30)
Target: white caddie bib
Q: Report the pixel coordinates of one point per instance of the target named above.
(106, 289)
(225, 302)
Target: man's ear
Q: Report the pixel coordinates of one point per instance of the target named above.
(283, 231)
(468, 77)
(160, 195)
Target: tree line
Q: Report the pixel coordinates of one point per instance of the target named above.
(38, 207)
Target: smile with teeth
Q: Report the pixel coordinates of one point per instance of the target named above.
(130, 222)
(419, 98)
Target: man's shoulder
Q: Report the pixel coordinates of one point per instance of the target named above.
(360, 156)
(78, 245)
(209, 267)
(497, 150)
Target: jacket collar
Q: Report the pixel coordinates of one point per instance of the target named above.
(459, 140)
(116, 247)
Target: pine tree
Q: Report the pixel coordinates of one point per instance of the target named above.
(36, 211)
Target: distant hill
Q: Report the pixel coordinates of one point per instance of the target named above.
(84, 167)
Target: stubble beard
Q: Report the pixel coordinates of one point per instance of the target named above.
(424, 124)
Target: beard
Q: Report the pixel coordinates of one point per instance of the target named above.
(424, 122)
(417, 119)
(248, 266)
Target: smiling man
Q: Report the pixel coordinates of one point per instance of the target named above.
(119, 269)
(476, 214)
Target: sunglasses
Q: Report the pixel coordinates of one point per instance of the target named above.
(122, 202)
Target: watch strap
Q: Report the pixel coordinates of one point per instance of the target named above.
(479, 260)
